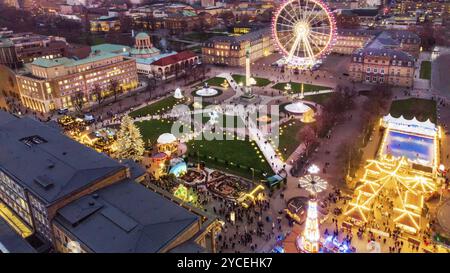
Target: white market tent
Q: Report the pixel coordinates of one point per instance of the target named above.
(426, 128)
(166, 138)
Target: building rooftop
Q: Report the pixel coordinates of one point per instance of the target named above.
(111, 48)
(11, 242)
(107, 18)
(144, 51)
(235, 40)
(154, 58)
(68, 62)
(142, 35)
(93, 58)
(5, 42)
(397, 55)
(47, 63)
(172, 59)
(386, 39)
(125, 218)
(46, 162)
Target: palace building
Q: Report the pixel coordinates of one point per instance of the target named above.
(231, 50)
(350, 40)
(382, 66)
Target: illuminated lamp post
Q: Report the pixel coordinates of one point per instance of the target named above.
(309, 240)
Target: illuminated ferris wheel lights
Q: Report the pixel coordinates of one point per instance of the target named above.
(304, 30)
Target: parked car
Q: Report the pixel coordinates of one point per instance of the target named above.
(63, 111)
(89, 119)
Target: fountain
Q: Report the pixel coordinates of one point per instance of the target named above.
(206, 91)
(298, 107)
(178, 94)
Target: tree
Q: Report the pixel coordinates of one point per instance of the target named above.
(308, 136)
(151, 84)
(78, 101)
(129, 141)
(114, 88)
(324, 122)
(97, 91)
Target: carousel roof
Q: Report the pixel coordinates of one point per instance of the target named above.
(166, 138)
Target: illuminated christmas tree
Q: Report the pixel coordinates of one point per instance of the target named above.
(309, 241)
(129, 142)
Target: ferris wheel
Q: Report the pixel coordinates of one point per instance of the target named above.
(304, 31)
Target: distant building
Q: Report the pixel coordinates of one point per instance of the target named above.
(366, 16)
(433, 7)
(208, 3)
(54, 84)
(230, 50)
(20, 48)
(105, 24)
(173, 65)
(150, 60)
(74, 199)
(9, 90)
(350, 40)
(143, 47)
(383, 66)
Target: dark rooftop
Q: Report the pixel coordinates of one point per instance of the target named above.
(46, 162)
(11, 242)
(136, 170)
(392, 53)
(125, 218)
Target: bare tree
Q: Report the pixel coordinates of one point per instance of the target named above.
(78, 101)
(308, 137)
(97, 91)
(114, 88)
(151, 85)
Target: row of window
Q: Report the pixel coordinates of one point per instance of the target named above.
(7, 181)
(18, 209)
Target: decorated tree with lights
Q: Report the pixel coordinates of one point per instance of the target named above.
(129, 141)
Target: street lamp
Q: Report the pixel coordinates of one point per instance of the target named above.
(253, 174)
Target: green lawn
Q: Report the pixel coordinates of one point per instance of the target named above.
(238, 122)
(158, 107)
(297, 87)
(234, 156)
(216, 81)
(422, 109)
(259, 81)
(425, 70)
(288, 137)
(152, 129)
(319, 98)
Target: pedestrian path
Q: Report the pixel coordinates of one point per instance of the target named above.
(233, 84)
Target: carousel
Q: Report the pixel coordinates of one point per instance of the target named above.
(167, 143)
